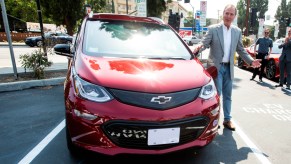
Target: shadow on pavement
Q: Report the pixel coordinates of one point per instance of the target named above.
(222, 150)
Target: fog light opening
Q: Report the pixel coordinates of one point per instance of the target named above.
(215, 111)
(215, 122)
(83, 115)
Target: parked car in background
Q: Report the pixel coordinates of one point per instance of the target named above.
(280, 41)
(123, 97)
(190, 40)
(272, 67)
(51, 38)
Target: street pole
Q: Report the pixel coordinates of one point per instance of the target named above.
(218, 16)
(193, 20)
(41, 27)
(247, 18)
(112, 3)
(7, 30)
(126, 6)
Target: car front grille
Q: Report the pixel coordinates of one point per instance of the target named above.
(134, 134)
(156, 101)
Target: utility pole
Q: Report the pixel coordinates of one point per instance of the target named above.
(193, 22)
(126, 6)
(7, 30)
(41, 27)
(247, 18)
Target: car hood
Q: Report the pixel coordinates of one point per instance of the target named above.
(144, 75)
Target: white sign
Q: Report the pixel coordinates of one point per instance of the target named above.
(141, 6)
(203, 6)
(203, 19)
(203, 9)
(261, 28)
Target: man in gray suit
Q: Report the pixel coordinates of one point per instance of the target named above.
(223, 40)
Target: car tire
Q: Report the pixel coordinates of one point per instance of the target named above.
(240, 63)
(74, 150)
(271, 70)
(39, 43)
(68, 42)
(190, 43)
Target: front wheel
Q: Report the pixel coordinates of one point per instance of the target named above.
(39, 43)
(74, 150)
(271, 69)
(190, 43)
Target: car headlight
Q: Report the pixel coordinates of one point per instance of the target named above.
(88, 90)
(208, 90)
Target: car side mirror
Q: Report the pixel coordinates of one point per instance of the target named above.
(63, 50)
(212, 70)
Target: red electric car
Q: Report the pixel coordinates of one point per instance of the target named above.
(134, 86)
(272, 67)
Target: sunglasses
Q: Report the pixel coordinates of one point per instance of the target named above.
(266, 32)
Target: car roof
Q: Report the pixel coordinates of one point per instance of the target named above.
(109, 16)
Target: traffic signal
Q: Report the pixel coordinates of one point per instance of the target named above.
(174, 21)
(253, 17)
(287, 22)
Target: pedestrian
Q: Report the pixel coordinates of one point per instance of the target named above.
(224, 39)
(264, 51)
(285, 61)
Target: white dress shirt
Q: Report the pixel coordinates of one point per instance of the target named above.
(227, 43)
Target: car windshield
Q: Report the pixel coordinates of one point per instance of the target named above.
(132, 39)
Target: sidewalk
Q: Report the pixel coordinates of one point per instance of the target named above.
(59, 63)
(13, 43)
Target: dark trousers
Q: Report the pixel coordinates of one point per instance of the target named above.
(263, 65)
(285, 67)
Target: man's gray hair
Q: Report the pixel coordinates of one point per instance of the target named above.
(230, 6)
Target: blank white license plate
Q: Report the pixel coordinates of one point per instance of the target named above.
(163, 136)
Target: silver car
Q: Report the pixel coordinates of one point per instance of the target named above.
(190, 40)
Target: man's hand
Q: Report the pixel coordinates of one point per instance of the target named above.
(256, 63)
(197, 48)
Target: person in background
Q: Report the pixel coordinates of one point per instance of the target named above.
(265, 49)
(285, 61)
(224, 39)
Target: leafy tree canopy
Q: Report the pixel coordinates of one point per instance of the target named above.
(283, 11)
(260, 5)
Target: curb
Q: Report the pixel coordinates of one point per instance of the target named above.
(14, 86)
(13, 44)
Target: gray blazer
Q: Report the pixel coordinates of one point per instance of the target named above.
(214, 40)
(286, 52)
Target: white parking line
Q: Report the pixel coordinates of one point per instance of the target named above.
(251, 145)
(38, 148)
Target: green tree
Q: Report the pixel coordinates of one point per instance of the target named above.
(68, 12)
(156, 7)
(24, 10)
(260, 5)
(241, 13)
(283, 11)
(64, 12)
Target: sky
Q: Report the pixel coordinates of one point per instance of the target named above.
(214, 5)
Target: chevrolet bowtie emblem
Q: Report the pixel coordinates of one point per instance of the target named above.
(161, 99)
